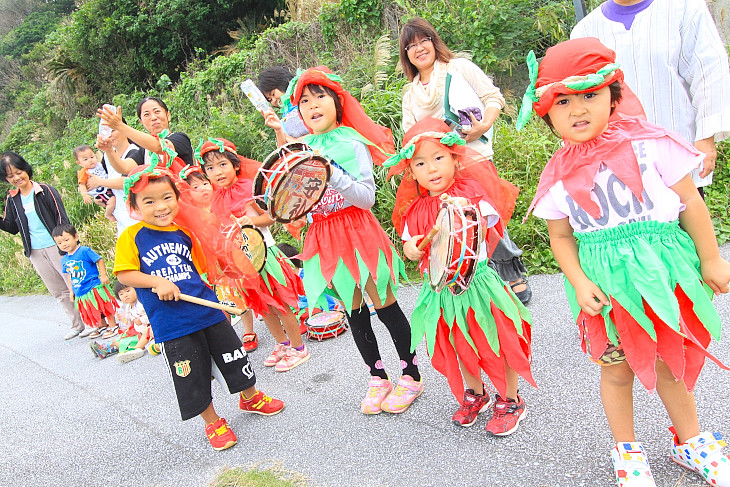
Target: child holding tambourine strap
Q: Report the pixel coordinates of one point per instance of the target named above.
(486, 327)
(346, 251)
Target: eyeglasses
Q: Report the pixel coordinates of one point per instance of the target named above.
(420, 43)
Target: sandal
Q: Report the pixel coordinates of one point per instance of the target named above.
(96, 333)
(110, 333)
(250, 342)
(526, 294)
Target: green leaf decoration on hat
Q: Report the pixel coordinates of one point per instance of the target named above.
(185, 172)
(529, 98)
(293, 84)
(162, 136)
(402, 155)
(593, 79)
(452, 138)
(219, 143)
(196, 153)
(130, 181)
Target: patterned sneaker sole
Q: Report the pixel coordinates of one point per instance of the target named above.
(224, 447)
(514, 428)
(370, 412)
(296, 364)
(129, 356)
(466, 425)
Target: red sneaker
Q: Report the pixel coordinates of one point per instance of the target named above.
(471, 406)
(260, 403)
(250, 342)
(220, 435)
(506, 417)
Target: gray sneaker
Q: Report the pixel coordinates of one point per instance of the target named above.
(87, 331)
(131, 355)
(71, 334)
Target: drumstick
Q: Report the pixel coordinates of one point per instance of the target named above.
(210, 304)
(428, 237)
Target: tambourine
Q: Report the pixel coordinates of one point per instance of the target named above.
(455, 247)
(291, 180)
(328, 324)
(245, 242)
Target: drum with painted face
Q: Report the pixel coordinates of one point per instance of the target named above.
(455, 247)
(291, 181)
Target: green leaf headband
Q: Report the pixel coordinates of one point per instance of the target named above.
(450, 139)
(150, 170)
(197, 156)
(162, 136)
(293, 83)
(577, 83)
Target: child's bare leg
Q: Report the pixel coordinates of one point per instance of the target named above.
(512, 381)
(247, 393)
(209, 415)
(472, 382)
(110, 206)
(372, 291)
(273, 323)
(247, 320)
(617, 385)
(291, 327)
(680, 403)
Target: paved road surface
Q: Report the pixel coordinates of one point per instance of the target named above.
(70, 419)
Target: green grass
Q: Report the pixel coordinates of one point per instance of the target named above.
(273, 476)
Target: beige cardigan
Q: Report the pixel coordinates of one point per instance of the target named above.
(428, 101)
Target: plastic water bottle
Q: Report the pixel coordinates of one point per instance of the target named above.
(104, 129)
(255, 95)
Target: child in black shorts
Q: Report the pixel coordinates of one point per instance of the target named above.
(162, 260)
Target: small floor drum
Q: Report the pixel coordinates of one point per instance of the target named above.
(455, 248)
(246, 243)
(291, 181)
(327, 324)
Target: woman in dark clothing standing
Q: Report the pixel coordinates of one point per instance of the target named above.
(33, 210)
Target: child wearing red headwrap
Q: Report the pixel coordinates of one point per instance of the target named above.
(161, 260)
(346, 251)
(278, 287)
(485, 327)
(639, 285)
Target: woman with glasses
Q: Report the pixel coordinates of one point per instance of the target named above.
(436, 75)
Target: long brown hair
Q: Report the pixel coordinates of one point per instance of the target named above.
(418, 28)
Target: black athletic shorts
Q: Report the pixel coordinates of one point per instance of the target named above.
(189, 361)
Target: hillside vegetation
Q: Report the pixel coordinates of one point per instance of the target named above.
(60, 60)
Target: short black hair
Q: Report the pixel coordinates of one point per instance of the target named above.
(118, 286)
(290, 251)
(616, 96)
(274, 78)
(196, 175)
(150, 98)
(228, 155)
(319, 89)
(81, 148)
(59, 230)
(9, 158)
(133, 196)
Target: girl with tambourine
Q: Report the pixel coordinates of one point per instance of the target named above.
(278, 287)
(346, 250)
(483, 327)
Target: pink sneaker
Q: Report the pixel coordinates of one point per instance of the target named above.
(278, 354)
(292, 358)
(403, 395)
(378, 389)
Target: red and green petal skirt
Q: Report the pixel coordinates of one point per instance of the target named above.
(486, 326)
(660, 307)
(278, 285)
(344, 249)
(97, 302)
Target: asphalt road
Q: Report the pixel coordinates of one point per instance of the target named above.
(70, 419)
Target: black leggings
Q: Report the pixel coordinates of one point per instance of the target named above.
(400, 331)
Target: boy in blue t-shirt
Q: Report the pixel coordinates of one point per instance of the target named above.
(87, 280)
(163, 261)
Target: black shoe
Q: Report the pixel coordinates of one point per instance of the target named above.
(526, 294)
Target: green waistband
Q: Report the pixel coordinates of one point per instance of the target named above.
(628, 231)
